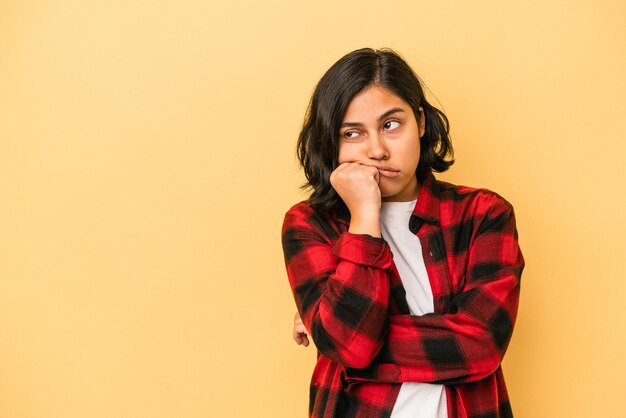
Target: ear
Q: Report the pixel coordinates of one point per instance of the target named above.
(422, 122)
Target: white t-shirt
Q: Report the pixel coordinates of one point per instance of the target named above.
(415, 400)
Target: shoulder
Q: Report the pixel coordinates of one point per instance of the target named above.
(306, 227)
(466, 201)
(303, 216)
(468, 212)
(301, 210)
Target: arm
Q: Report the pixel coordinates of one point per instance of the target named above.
(341, 290)
(468, 343)
(341, 286)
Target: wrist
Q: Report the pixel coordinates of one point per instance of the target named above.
(365, 223)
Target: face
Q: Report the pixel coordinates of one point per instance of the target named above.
(379, 129)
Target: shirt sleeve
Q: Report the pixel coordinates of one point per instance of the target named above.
(341, 290)
(469, 342)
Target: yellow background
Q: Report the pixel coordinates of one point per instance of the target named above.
(147, 158)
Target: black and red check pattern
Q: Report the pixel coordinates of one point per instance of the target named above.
(351, 298)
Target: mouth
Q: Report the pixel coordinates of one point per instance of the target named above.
(388, 172)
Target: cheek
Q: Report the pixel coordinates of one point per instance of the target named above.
(416, 157)
(410, 156)
(417, 151)
(345, 154)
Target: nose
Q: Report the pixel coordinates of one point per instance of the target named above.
(377, 149)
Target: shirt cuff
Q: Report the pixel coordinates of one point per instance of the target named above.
(363, 249)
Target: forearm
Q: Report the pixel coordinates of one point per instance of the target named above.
(341, 290)
(347, 326)
(451, 349)
(433, 348)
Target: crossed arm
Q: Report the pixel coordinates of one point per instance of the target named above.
(463, 345)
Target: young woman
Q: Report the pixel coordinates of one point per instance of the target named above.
(409, 286)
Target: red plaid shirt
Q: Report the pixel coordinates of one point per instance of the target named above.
(350, 296)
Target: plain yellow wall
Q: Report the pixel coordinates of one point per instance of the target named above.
(147, 159)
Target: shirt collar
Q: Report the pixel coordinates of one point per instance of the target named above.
(426, 208)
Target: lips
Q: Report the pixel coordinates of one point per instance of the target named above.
(387, 171)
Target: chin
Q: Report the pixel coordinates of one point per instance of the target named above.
(388, 195)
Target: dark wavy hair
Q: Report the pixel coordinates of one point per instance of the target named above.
(318, 142)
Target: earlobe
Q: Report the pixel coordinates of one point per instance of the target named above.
(422, 122)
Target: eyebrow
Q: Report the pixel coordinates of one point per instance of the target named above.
(380, 118)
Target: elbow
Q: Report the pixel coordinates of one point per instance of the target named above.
(360, 351)
(496, 337)
(493, 364)
(492, 357)
(483, 365)
(358, 360)
(356, 351)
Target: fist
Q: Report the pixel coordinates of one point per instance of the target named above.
(357, 185)
(300, 333)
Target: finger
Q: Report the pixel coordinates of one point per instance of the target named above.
(377, 176)
(297, 321)
(371, 170)
(337, 171)
(345, 164)
(297, 337)
(305, 340)
(300, 329)
(345, 167)
(349, 171)
(341, 167)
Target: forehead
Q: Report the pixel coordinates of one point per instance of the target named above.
(372, 102)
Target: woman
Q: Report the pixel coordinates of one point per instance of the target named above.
(409, 285)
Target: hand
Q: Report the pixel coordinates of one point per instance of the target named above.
(357, 185)
(300, 333)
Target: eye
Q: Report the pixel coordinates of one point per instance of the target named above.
(350, 134)
(391, 124)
